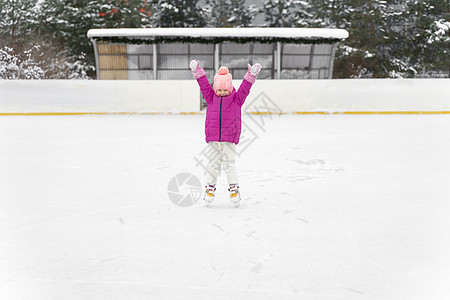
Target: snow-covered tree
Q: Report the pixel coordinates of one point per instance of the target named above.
(428, 35)
(373, 40)
(281, 13)
(242, 15)
(125, 13)
(304, 14)
(65, 24)
(19, 66)
(16, 20)
(217, 13)
(68, 21)
(68, 67)
(229, 13)
(177, 13)
(387, 40)
(330, 14)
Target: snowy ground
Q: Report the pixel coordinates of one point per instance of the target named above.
(335, 207)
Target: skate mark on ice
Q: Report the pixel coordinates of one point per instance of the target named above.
(332, 169)
(301, 178)
(316, 165)
(303, 220)
(220, 275)
(355, 291)
(257, 268)
(215, 225)
(251, 235)
(312, 260)
(162, 167)
(286, 212)
(109, 259)
(310, 162)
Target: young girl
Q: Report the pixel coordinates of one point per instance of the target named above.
(223, 124)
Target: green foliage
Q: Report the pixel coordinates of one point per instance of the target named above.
(427, 39)
(125, 14)
(67, 22)
(229, 13)
(409, 40)
(279, 13)
(177, 13)
(17, 20)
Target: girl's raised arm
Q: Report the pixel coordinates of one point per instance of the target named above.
(200, 75)
(249, 80)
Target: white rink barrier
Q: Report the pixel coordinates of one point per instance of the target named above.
(183, 96)
(98, 96)
(358, 95)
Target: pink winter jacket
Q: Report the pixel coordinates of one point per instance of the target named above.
(223, 115)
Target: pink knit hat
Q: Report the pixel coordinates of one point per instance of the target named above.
(223, 80)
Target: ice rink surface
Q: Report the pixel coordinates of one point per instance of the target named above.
(334, 207)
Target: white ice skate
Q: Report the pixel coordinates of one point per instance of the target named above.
(209, 194)
(235, 195)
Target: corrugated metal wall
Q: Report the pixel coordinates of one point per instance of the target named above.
(173, 59)
(305, 61)
(237, 56)
(129, 61)
(140, 62)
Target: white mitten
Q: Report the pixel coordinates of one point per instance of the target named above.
(252, 73)
(194, 64)
(197, 71)
(255, 69)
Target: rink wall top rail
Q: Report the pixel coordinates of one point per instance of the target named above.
(347, 96)
(230, 33)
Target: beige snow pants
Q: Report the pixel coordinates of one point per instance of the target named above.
(222, 153)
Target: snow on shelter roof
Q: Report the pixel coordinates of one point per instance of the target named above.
(252, 32)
